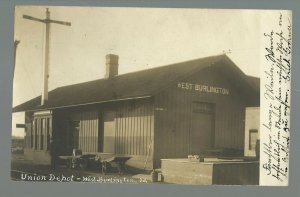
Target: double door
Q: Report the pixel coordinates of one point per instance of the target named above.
(202, 128)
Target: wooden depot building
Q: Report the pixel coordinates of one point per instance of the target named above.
(166, 112)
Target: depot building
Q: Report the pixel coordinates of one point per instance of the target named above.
(172, 111)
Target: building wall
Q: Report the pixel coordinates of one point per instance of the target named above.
(88, 129)
(38, 156)
(134, 128)
(173, 109)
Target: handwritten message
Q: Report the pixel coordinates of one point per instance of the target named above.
(275, 96)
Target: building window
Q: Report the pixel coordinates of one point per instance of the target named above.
(42, 130)
(36, 134)
(28, 134)
(41, 133)
(47, 133)
(31, 134)
(253, 134)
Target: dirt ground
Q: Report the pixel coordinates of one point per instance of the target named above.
(25, 170)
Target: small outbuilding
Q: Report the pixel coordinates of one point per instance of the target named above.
(166, 112)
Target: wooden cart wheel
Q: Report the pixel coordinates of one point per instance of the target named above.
(104, 167)
(83, 164)
(69, 163)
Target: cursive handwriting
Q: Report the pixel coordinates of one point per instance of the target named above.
(276, 92)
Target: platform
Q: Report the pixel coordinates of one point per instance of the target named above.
(210, 172)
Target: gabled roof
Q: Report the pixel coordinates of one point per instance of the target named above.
(134, 85)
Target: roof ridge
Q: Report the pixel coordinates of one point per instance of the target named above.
(177, 63)
(148, 69)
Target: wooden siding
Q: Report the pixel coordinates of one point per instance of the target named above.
(134, 128)
(88, 130)
(173, 110)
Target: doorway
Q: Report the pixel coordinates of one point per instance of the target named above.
(202, 127)
(109, 132)
(73, 138)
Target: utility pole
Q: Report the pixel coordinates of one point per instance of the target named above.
(15, 54)
(47, 22)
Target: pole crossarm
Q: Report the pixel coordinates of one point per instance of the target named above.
(60, 22)
(46, 20)
(33, 18)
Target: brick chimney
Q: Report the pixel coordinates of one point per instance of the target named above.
(112, 65)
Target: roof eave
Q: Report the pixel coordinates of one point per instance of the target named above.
(83, 104)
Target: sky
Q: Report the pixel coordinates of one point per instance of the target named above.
(142, 38)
